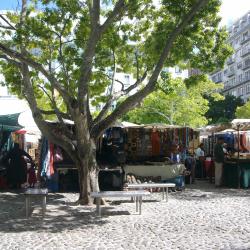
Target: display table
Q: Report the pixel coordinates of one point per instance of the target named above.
(165, 171)
(236, 173)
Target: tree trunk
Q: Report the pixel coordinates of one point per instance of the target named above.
(88, 177)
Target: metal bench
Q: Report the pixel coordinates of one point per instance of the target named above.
(35, 192)
(164, 187)
(105, 194)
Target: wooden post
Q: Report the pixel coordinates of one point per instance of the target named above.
(238, 156)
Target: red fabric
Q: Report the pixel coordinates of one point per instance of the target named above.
(3, 183)
(21, 131)
(32, 176)
(243, 142)
(155, 140)
(51, 160)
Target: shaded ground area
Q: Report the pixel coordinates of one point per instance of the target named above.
(201, 217)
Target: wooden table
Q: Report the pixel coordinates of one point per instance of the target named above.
(164, 187)
(104, 194)
(35, 192)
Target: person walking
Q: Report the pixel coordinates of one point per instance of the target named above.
(219, 157)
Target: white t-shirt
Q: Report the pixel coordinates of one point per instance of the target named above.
(199, 152)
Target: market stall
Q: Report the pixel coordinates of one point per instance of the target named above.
(236, 172)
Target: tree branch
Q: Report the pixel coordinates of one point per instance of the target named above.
(52, 112)
(135, 99)
(95, 35)
(58, 113)
(6, 21)
(155, 111)
(119, 7)
(16, 63)
(37, 67)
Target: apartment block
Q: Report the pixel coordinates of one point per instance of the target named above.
(236, 72)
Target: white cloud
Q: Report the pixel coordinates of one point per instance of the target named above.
(231, 10)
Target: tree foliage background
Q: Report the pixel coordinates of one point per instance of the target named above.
(182, 103)
(243, 112)
(223, 110)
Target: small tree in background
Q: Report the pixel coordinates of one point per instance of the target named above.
(178, 102)
(223, 110)
(243, 112)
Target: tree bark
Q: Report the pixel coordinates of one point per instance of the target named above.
(88, 176)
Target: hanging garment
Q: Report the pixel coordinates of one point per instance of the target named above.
(155, 141)
(51, 159)
(243, 141)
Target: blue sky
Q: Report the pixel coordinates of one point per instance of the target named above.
(230, 9)
(8, 4)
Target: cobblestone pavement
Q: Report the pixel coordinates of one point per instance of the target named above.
(200, 217)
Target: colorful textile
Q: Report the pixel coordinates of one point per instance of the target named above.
(155, 140)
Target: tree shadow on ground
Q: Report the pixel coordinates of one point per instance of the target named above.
(118, 202)
(59, 217)
(205, 190)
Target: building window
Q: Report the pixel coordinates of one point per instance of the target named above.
(248, 88)
(219, 77)
(178, 70)
(245, 36)
(127, 81)
(247, 75)
(240, 91)
(234, 93)
(240, 78)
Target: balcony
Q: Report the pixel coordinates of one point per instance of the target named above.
(230, 73)
(245, 52)
(245, 39)
(218, 80)
(230, 61)
(246, 79)
(246, 66)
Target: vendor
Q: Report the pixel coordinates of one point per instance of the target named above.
(219, 158)
(175, 155)
(200, 157)
(16, 170)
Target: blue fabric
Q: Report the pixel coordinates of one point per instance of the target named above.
(43, 156)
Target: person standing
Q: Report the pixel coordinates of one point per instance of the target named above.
(16, 171)
(200, 157)
(219, 157)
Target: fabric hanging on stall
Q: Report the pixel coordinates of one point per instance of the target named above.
(155, 140)
(47, 158)
(243, 141)
(50, 169)
(43, 156)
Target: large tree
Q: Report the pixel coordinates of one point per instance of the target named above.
(70, 51)
(178, 104)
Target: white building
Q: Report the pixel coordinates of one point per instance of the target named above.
(236, 73)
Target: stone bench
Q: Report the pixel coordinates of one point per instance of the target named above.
(163, 186)
(121, 194)
(32, 193)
